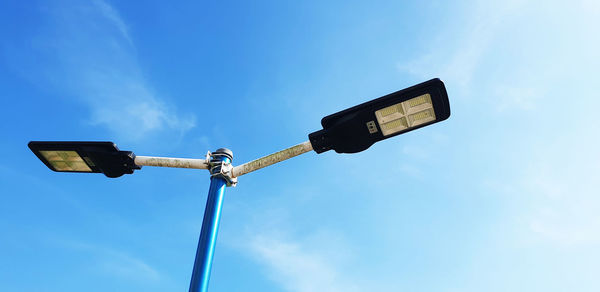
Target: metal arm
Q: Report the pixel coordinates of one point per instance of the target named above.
(236, 171)
(271, 159)
(172, 162)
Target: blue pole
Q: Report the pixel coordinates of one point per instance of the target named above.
(210, 227)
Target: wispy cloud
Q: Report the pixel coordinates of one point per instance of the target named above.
(565, 206)
(296, 268)
(112, 261)
(464, 46)
(126, 266)
(513, 63)
(113, 17)
(513, 97)
(87, 52)
(553, 189)
(303, 262)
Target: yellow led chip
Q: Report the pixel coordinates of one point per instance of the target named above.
(419, 100)
(394, 126)
(421, 117)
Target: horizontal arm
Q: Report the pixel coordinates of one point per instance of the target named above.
(236, 171)
(272, 159)
(171, 162)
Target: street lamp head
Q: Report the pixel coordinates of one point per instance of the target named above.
(92, 157)
(357, 128)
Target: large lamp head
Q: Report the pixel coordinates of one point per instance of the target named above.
(357, 128)
(93, 157)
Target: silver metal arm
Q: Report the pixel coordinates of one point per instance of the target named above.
(171, 162)
(233, 172)
(271, 159)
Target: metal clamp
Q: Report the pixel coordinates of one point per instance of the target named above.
(220, 167)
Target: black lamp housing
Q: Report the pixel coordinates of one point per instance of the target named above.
(356, 129)
(100, 157)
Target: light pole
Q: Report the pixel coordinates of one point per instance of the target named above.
(348, 131)
(210, 224)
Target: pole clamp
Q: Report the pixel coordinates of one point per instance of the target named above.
(220, 167)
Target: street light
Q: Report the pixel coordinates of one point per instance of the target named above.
(94, 157)
(357, 128)
(348, 131)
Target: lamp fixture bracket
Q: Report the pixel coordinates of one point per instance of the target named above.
(220, 167)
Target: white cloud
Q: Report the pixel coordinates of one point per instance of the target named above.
(111, 261)
(296, 268)
(415, 151)
(553, 191)
(574, 224)
(88, 54)
(503, 56)
(512, 97)
(464, 47)
(412, 171)
(113, 17)
(563, 198)
(126, 266)
(519, 56)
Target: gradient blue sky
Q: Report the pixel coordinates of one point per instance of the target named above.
(503, 196)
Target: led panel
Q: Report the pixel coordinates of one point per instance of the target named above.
(402, 116)
(65, 160)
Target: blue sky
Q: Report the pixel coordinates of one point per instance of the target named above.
(503, 196)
